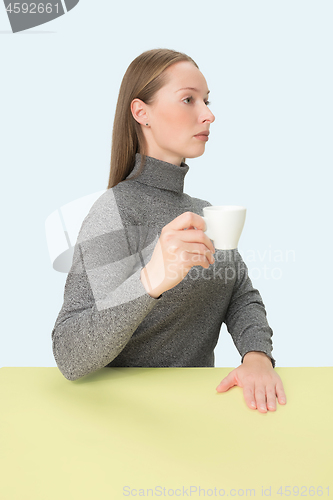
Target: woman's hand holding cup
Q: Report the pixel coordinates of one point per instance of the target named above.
(176, 252)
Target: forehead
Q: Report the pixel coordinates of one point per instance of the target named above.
(185, 74)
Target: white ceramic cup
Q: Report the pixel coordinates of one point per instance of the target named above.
(224, 225)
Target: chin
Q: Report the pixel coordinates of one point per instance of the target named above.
(194, 155)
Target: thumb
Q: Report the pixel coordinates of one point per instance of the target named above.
(228, 382)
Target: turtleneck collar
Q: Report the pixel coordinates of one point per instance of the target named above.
(160, 174)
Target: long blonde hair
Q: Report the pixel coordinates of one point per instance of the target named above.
(143, 78)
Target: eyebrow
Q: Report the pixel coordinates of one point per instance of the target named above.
(190, 88)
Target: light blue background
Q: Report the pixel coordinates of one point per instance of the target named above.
(269, 68)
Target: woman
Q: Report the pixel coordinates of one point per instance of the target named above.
(132, 297)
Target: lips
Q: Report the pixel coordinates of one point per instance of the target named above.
(203, 135)
(204, 132)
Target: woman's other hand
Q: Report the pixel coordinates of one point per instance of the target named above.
(261, 384)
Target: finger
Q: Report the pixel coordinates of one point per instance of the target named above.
(196, 252)
(248, 393)
(271, 397)
(228, 382)
(187, 219)
(197, 236)
(190, 259)
(280, 393)
(260, 396)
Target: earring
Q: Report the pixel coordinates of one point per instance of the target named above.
(147, 124)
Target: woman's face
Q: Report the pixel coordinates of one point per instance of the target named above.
(177, 115)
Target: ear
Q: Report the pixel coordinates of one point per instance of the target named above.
(139, 111)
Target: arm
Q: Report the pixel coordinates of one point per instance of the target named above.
(246, 319)
(104, 298)
(246, 322)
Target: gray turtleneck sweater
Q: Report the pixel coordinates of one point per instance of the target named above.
(109, 319)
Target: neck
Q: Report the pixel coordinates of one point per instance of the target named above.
(159, 174)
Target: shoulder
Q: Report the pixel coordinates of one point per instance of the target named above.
(118, 207)
(197, 203)
(103, 207)
(104, 216)
(109, 202)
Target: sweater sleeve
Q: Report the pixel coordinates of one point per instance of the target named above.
(104, 298)
(246, 319)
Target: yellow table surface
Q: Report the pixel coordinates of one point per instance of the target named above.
(160, 433)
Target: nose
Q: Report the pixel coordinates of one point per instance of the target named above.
(208, 115)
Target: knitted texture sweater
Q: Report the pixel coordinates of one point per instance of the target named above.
(109, 319)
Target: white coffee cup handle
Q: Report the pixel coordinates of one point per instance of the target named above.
(207, 231)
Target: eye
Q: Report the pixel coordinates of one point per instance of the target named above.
(207, 102)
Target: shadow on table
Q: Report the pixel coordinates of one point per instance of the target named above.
(111, 373)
